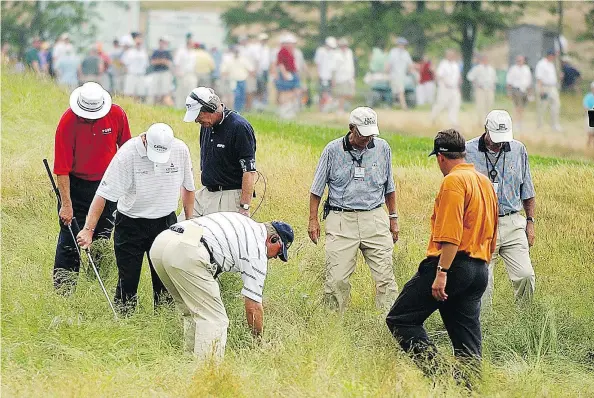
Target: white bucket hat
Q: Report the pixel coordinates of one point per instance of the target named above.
(159, 140)
(499, 126)
(90, 101)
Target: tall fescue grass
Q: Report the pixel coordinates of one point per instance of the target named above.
(57, 346)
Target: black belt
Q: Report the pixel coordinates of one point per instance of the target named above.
(508, 214)
(217, 188)
(180, 230)
(334, 208)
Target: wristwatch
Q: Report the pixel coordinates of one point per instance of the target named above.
(244, 206)
(440, 269)
(531, 219)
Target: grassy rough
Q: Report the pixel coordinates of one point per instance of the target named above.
(55, 346)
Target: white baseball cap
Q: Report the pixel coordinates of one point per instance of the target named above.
(159, 139)
(199, 97)
(331, 42)
(90, 101)
(288, 38)
(499, 126)
(366, 121)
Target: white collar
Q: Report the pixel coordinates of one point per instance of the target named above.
(140, 148)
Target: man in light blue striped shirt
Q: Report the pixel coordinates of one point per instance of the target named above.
(358, 171)
(505, 161)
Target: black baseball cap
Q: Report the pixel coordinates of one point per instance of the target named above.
(440, 146)
(285, 232)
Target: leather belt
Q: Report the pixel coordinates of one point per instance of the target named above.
(217, 188)
(334, 208)
(507, 214)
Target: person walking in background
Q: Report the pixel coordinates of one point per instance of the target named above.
(483, 79)
(358, 171)
(448, 88)
(519, 83)
(87, 138)
(184, 64)
(204, 66)
(344, 75)
(91, 67)
(190, 255)
(161, 77)
(237, 69)
(398, 65)
(67, 69)
(146, 178)
(588, 103)
(547, 94)
(32, 56)
(505, 162)
(325, 60)
(264, 58)
(426, 87)
(453, 276)
(227, 154)
(116, 69)
(136, 61)
(42, 57)
(287, 80)
(571, 76)
(62, 44)
(105, 79)
(248, 49)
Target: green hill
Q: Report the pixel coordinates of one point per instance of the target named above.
(56, 346)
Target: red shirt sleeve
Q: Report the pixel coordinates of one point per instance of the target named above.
(64, 144)
(123, 129)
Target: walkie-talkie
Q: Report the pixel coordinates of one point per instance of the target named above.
(326, 209)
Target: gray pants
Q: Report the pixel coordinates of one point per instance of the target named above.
(512, 246)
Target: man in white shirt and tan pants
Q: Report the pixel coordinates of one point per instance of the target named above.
(146, 178)
(547, 93)
(519, 81)
(483, 79)
(448, 88)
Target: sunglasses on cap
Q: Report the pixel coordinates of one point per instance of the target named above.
(206, 106)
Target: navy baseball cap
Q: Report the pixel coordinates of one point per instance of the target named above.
(286, 234)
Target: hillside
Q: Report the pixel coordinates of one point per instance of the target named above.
(56, 346)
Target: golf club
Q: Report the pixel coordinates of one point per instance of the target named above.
(74, 230)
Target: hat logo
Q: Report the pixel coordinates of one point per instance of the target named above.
(443, 149)
(368, 120)
(501, 127)
(90, 105)
(160, 148)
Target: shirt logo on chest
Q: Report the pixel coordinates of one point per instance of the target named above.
(106, 131)
(171, 169)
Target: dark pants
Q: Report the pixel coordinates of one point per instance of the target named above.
(465, 285)
(67, 260)
(133, 237)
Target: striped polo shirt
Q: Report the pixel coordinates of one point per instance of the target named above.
(237, 244)
(337, 167)
(142, 188)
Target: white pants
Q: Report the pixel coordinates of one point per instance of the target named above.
(135, 86)
(426, 93)
(183, 264)
(552, 102)
(447, 98)
(161, 84)
(512, 246)
(207, 202)
(185, 84)
(483, 99)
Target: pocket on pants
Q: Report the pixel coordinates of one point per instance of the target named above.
(518, 221)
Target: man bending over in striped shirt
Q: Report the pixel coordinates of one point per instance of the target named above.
(192, 253)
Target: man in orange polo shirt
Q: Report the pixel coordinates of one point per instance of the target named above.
(454, 275)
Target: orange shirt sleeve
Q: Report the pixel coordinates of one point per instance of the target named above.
(449, 215)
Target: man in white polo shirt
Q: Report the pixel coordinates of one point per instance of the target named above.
(191, 254)
(448, 88)
(145, 177)
(546, 90)
(519, 81)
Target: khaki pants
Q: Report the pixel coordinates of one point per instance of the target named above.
(185, 84)
(484, 99)
(512, 246)
(183, 264)
(207, 202)
(552, 102)
(368, 231)
(447, 98)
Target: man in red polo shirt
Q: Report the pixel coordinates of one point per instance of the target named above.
(87, 138)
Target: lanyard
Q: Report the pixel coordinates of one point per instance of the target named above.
(359, 160)
(493, 171)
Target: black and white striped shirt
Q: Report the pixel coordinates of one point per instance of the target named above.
(238, 244)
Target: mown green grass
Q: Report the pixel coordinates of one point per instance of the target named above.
(56, 346)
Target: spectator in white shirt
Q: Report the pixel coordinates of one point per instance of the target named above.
(146, 178)
(237, 68)
(398, 65)
(519, 82)
(61, 46)
(483, 79)
(264, 59)
(191, 254)
(448, 88)
(344, 74)
(325, 60)
(547, 93)
(249, 49)
(136, 60)
(184, 63)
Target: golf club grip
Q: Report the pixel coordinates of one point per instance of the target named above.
(74, 226)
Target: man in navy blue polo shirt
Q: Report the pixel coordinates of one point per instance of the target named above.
(227, 155)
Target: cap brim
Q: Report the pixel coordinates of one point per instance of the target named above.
(94, 115)
(501, 137)
(157, 157)
(284, 254)
(433, 152)
(191, 115)
(367, 131)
